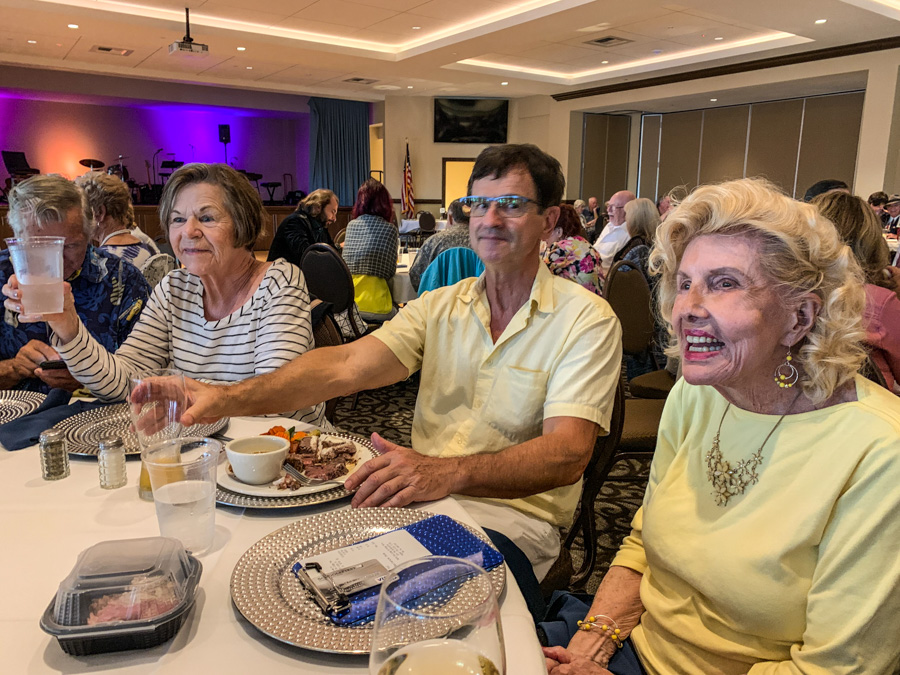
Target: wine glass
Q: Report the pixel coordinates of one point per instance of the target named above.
(156, 401)
(437, 616)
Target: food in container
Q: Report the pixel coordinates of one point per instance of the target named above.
(257, 460)
(125, 594)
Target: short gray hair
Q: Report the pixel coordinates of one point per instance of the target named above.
(46, 199)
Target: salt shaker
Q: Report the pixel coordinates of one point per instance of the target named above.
(112, 463)
(54, 455)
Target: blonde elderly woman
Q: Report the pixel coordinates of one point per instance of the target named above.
(767, 540)
(224, 317)
(113, 213)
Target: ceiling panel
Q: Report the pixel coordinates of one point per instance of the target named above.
(553, 43)
(342, 13)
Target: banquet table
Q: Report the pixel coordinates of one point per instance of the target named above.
(401, 287)
(410, 224)
(46, 524)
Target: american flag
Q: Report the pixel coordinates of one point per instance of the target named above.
(408, 198)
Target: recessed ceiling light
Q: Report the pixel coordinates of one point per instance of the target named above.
(242, 49)
(417, 27)
(821, 20)
(604, 62)
(73, 25)
(718, 38)
(503, 84)
(249, 67)
(59, 44)
(713, 100)
(409, 86)
(32, 42)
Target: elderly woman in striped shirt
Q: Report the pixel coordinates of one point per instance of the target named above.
(224, 317)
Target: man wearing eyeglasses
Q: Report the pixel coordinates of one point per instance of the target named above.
(518, 373)
(615, 235)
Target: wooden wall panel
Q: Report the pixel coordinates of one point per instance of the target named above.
(724, 144)
(830, 139)
(679, 152)
(774, 137)
(593, 176)
(650, 128)
(617, 154)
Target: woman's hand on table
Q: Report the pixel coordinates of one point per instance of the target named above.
(560, 661)
(64, 324)
(400, 476)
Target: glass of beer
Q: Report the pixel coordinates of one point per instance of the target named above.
(38, 264)
(437, 616)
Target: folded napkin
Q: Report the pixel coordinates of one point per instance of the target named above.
(25, 431)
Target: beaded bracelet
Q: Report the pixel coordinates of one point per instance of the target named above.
(592, 622)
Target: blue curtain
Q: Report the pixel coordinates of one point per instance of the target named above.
(338, 146)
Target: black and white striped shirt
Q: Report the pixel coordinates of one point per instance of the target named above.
(270, 329)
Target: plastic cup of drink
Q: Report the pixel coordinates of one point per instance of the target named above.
(38, 264)
(183, 475)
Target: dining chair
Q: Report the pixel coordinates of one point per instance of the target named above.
(594, 476)
(339, 239)
(326, 334)
(328, 278)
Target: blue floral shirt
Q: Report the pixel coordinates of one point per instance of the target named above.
(109, 296)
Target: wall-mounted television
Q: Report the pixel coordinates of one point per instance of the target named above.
(470, 120)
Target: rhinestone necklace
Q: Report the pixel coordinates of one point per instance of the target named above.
(727, 481)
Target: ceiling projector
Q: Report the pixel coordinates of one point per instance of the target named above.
(187, 44)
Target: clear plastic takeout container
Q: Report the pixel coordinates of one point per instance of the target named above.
(125, 594)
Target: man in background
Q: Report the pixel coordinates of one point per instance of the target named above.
(455, 236)
(892, 209)
(615, 235)
(306, 226)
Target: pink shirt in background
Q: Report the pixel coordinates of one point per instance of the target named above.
(882, 320)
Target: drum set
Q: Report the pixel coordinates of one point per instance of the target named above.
(118, 169)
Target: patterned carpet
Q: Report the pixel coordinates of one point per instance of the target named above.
(389, 411)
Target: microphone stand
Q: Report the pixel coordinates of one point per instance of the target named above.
(155, 171)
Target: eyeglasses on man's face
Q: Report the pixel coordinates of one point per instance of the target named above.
(508, 206)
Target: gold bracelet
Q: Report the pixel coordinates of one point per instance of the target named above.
(593, 622)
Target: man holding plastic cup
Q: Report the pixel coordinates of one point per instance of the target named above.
(108, 293)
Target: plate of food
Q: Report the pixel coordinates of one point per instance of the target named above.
(316, 455)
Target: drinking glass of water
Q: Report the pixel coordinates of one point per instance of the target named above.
(38, 264)
(437, 616)
(183, 475)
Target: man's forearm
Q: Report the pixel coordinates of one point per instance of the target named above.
(554, 459)
(316, 376)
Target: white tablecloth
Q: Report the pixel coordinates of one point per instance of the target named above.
(401, 287)
(408, 225)
(45, 524)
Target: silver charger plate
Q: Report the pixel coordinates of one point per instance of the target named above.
(267, 593)
(15, 404)
(288, 501)
(85, 430)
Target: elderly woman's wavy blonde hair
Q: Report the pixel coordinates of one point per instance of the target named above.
(800, 252)
(109, 192)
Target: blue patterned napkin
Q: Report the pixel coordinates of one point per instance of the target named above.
(441, 535)
(26, 430)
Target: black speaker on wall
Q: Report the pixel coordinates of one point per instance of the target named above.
(224, 133)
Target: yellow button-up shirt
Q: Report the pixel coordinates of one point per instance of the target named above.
(560, 356)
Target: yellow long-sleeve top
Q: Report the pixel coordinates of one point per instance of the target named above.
(801, 573)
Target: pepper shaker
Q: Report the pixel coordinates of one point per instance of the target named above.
(54, 454)
(112, 463)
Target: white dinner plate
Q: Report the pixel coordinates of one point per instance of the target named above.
(226, 478)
